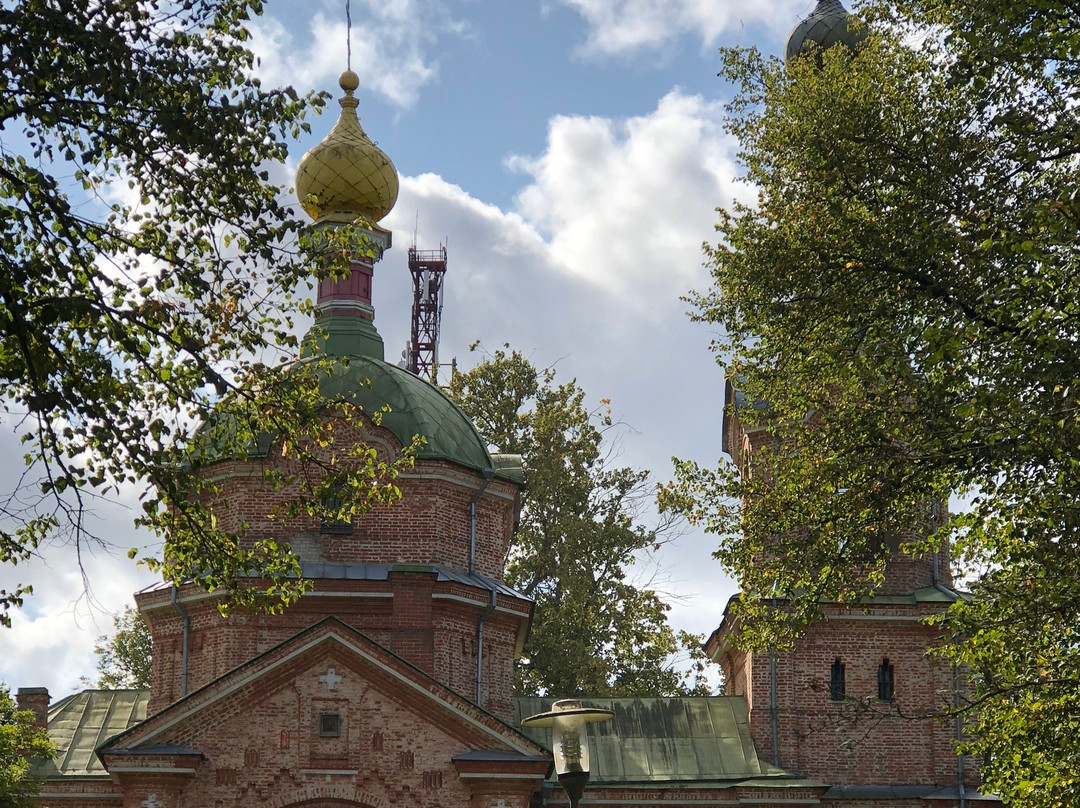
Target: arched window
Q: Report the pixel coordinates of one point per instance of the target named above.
(836, 681)
(885, 680)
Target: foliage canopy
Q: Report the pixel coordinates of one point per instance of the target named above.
(910, 275)
(594, 631)
(125, 660)
(149, 270)
(21, 742)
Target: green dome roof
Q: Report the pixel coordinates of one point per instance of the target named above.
(360, 375)
(416, 408)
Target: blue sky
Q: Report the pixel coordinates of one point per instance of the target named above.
(571, 154)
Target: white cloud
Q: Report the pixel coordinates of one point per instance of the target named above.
(391, 42)
(626, 204)
(51, 642)
(626, 26)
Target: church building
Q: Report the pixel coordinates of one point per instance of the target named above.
(390, 683)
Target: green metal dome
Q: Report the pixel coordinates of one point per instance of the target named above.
(415, 408)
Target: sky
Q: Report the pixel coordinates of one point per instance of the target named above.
(570, 154)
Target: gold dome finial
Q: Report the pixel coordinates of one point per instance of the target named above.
(348, 81)
(347, 175)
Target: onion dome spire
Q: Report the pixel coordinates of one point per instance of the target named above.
(828, 24)
(347, 180)
(347, 176)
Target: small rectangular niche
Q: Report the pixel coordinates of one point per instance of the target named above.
(886, 681)
(329, 725)
(836, 681)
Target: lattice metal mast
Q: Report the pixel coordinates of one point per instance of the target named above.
(427, 268)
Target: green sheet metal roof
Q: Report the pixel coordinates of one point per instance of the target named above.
(650, 740)
(927, 594)
(80, 723)
(509, 467)
(416, 407)
(658, 740)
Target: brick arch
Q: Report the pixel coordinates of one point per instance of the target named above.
(327, 795)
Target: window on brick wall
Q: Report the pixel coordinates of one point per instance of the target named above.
(885, 680)
(836, 681)
(341, 526)
(329, 725)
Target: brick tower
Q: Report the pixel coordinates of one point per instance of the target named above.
(851, 704)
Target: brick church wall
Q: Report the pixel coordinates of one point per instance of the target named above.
(263, 745)
(436, 634)
(431, 525)
(860, 740)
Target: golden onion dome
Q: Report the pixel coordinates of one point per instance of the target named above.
(347, 173)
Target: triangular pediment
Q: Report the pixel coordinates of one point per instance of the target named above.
(329, 669)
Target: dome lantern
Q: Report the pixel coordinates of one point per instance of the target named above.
(827, 25)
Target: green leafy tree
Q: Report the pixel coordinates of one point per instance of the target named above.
(125, 659)
(20, 744)
(149, 270)
(908, 278)
(594, 632)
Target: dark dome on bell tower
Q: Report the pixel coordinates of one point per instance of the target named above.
(828, 24)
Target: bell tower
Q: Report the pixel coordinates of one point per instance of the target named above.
(853, 702)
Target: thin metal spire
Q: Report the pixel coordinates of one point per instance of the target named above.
(348, 34)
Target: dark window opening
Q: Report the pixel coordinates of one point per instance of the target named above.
(335, 526)
(836, 681)
(885, 681)
(330, 725)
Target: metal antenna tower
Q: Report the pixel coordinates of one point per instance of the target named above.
(427, 268)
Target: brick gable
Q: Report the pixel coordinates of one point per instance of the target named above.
(256, 735)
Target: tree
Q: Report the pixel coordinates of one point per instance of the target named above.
(20, 744)
(908, 278)
(594, 632)
(147, 264)
(124, 660)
